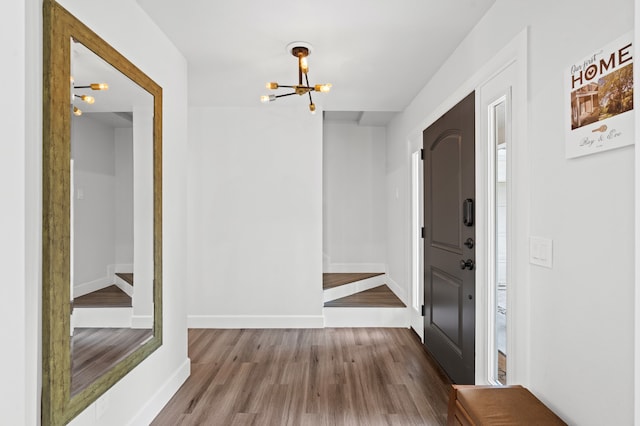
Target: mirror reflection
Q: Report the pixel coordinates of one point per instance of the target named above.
(111, 216)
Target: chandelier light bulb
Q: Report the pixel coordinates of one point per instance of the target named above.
(273, 85)
(76, 111)
(99, 86)
(267, 98)
(304, 65)
(312, 108)
(323, 88)
(88, 99)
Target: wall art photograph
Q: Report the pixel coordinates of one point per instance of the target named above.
(599, 98)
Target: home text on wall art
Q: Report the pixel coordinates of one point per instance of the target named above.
(599, 100)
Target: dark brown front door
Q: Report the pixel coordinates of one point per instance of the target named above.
(449, 219)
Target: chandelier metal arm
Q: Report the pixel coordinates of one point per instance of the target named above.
(309, 92)
(286, 94)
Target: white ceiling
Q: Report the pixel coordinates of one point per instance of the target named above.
(377, 53)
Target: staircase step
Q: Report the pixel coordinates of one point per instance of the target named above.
(348, 286)
(366, 317)
(376, 307)
(333, 279)
(124, 281)
(377, 297)
(127, 276)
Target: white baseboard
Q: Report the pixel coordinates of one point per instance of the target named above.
(102, 282)
(399, 291)
(124, 286)
(141, 321)
(157, 402)
(255, 321)
(91, 286)
(355, 267)
(417, 323)
(366, 317)
(352, 288)
(126, 268)
(102, 317)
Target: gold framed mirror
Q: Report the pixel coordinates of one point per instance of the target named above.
(122, 133)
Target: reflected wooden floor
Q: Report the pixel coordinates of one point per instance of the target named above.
(308, 377)
(95, 350)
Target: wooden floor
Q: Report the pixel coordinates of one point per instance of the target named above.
(95, 350)
(331, 280)
(363, 376)
(377, 297)
(108, 297)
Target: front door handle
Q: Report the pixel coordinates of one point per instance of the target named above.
(467, 264)
(467, 212)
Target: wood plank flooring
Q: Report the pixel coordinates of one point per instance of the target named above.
(346, 376)
(377, 297)
(108, 297)
(95, 350)
(331, 280)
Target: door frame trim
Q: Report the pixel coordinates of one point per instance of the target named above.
(518, 323)
(513, 53)
(636, 97)
(417, 244)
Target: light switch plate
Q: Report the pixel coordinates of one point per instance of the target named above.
(541, 251)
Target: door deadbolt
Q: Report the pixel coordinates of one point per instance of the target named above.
(467, 264)
(469, 243)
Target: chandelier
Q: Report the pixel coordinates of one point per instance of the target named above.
(300, 50)
(86, 98)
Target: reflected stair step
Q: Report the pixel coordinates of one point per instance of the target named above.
(126, 276)
(108, 297)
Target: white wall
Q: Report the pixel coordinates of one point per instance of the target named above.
(94, 227)
(123, 203)
(354, 203)
(126, 27)
(255, 217)
(142, 214)
(15, 363)
(582, 314)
